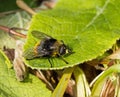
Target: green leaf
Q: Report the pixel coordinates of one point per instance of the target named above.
(82, 87)
(10, 87)
(88, 27)
(118, 92)
(62, 85)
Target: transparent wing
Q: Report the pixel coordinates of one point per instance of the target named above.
(40, 35)
(29, 54)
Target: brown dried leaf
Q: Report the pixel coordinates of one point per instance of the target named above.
(108, 89)
(9, 53)
(115, 55)
(18, 64)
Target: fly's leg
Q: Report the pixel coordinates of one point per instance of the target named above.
(64, 60)
(59, 56)
(51, 65)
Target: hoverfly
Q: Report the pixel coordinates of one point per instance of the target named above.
(47, 47)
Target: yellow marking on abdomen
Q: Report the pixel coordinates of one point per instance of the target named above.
(35, 48)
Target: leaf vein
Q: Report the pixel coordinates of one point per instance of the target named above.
(99, 12)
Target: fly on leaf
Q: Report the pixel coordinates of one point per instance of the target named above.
(47, 47)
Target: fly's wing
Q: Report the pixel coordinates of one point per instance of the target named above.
(40, 35)
(29, 53)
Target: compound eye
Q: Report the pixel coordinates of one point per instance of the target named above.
(62, 50)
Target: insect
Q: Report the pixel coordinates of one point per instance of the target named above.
(47, 47)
